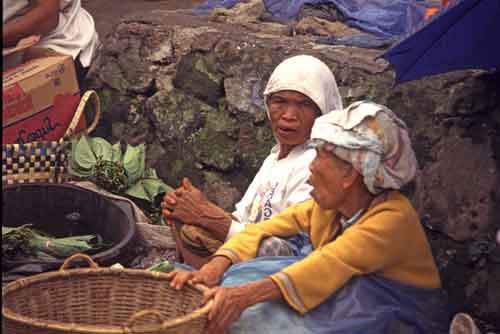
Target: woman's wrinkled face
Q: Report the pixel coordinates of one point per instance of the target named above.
(327, 176)
(292, 116)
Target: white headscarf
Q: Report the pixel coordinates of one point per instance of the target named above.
(307, 75)
(374, 140)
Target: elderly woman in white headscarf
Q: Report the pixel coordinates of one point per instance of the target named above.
(362, 230)
(299, 89)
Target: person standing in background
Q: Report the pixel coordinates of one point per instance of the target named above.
(64, 27)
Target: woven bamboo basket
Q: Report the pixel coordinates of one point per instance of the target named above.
(46, 161)
(100, 300)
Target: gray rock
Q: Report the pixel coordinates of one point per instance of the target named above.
(196, 73)
(457, 195)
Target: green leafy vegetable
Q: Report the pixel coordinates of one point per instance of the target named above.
(116, 171)
(163, 266)
(148, 189)
(110, 175)
(84, 157)
(150, 173)
(117, 152)
(134, 162)
(27, 241)
(101, 148)
(15, 241)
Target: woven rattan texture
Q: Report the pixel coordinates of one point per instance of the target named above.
(101, 301)
(34, 162)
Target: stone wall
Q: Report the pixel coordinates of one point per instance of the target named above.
(192, 90)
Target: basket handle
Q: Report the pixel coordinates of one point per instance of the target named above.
(85, 257)
(139, 314)
(90, 94)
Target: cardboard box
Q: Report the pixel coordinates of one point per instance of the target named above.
(48, 124)
(39, 100)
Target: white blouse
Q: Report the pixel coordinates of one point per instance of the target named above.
(277, 185)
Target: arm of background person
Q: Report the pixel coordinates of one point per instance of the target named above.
(41, 19)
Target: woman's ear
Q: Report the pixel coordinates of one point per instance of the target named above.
(350, 176)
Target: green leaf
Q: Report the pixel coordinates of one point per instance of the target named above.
(6, 230)
(101, 148)
(81, 166)
(150, 173)
(138, 191)
(163, 266)
(83, 155)
(62, 247)
(148, 189)
(155, 186)
(117, 152)
(134, 162)
(74, 170)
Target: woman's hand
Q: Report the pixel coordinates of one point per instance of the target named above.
(209, 274)
(230, 302)
(188, 205)
(183, 203)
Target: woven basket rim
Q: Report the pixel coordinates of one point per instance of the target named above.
(11, 287)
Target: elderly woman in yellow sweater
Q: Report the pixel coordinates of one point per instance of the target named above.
(360, 226)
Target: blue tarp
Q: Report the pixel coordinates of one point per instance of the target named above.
(366, 304)
(385, 19)
(460, 36)
(207, 6)
(362, 40)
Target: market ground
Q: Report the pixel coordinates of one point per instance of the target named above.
(107, 13)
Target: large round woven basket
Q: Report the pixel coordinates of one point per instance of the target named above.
(99, 300)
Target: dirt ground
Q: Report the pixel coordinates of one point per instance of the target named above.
(107, 13)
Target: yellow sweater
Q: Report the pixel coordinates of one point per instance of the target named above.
(387, 239)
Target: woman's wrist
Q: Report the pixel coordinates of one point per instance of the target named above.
(217, 221)
(261, 291)
(219, 264)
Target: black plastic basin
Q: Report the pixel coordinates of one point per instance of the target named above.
(63, 210)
